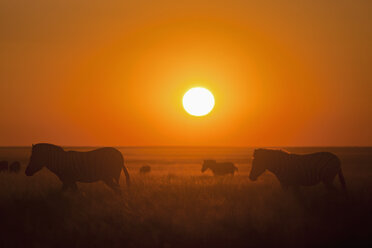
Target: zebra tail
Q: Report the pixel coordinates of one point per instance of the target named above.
(126, 175)
(342, 180)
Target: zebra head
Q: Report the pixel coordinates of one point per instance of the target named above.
(36, 162)
(258, 164)
(206, 164)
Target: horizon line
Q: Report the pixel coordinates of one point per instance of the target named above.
(195, 146)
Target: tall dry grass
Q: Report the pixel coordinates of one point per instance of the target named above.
(177, 206)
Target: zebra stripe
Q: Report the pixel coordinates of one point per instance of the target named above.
(103, 164)
(298, 170)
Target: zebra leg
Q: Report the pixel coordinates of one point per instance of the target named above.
(328, 182)
(117, 178)
(114, 186)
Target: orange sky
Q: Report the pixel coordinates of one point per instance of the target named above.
(90, 72)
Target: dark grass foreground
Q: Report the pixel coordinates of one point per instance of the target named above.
(183, 210)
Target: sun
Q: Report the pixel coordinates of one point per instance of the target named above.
(198, 101)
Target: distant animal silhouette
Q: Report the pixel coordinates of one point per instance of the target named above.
(219, 169)
(293, 170)
(145, 169)
(3, 166)
(103, 164)
(15, 167)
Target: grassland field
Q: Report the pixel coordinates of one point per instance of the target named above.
(178, 206)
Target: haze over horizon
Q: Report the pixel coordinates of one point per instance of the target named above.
(100, 73)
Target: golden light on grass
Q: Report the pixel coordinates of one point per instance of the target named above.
(198, 101)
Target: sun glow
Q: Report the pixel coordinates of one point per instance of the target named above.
(198, 101)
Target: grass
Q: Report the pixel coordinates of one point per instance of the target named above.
(177, 206)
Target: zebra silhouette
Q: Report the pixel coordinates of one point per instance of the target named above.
(14, 167)
(3, 166)
(145, 169)
(103, 164)
(293, 170)
(219, 169)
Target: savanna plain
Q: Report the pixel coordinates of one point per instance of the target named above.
(175, 205)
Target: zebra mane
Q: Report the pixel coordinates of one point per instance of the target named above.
(48, 146)
(269, 152)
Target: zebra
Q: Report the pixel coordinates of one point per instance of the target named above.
(219, 169)
(103, 164)
(145, 169)
(14, 167)
(3, 166)
(293, 170)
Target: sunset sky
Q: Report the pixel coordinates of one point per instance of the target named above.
(109, 73)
